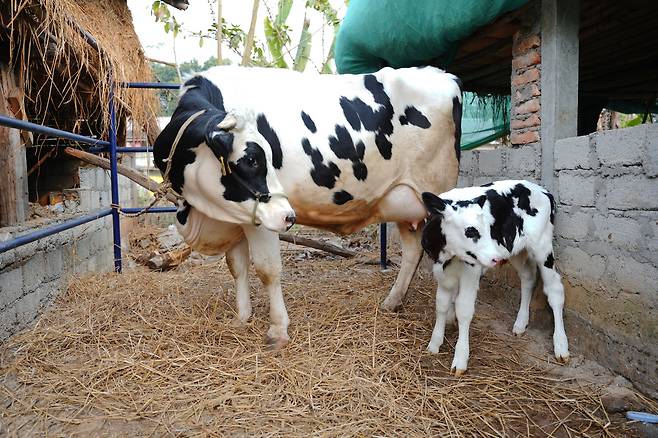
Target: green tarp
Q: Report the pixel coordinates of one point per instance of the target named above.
(404, 33)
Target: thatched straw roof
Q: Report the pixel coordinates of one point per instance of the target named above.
(66, 79)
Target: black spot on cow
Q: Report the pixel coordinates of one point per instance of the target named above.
(472, 233)
(447, 263)
(183, 212)
(433, 239)
(266, 131)
(251, 168)
(550, 261)
(308, 121)
(342, 197)
(552, 201)
(487, 185)
(322, 175)
(200, 94)
(522, 193)
(379, 121)
(457, 119)
(414, 117)
(343, 146)
(473, 256)
(507, 224)
(469, 264)
(458, 82)
(480, 200)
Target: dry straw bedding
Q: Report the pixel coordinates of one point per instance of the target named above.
(144, 353)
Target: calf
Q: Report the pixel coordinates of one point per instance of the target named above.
(476, 228)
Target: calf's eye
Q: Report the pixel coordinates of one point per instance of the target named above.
(472, 233)
(251, 162)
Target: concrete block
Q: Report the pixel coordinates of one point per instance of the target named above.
(33, 272)
(54, 263)
(491, 163)
(572, 153)
(622, 232)
(8, 322)
(464, 181)
(87, 177)
(650, 156)
(102, 179)
(85, 199)
(468, 162)
(83, 248)
(11, 286)
(29, 306)
(620, 146)
(576, 189)
(579, 265)
(573, 225)
(636, 277)
(632, 192)
(480, 180)
(523, 161)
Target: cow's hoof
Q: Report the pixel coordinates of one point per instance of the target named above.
(458, 372)
(434, 349)
(276, 344)
(390, 305)
(563, 359)
(518, 331)
(239, 322)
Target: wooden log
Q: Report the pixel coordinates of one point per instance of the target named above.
(168, 260)
(153, 186)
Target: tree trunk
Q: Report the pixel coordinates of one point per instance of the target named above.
(13, 165)
(246, 56)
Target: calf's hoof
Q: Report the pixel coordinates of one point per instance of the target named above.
(390, 304)
(431, 348)
(518, 331)
(458, 372)
(276, 344)
(277, 338)
(563, 358)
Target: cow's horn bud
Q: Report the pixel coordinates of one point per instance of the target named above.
(228, 123)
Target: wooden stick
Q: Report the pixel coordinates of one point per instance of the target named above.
(153, 186)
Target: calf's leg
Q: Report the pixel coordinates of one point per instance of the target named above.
(527, 270)
(411, 254)
(237, 259)
(266, 256)
(445, 297)
(464, 309)
(554, 291)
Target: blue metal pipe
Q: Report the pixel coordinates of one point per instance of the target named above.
(114, 181)
(122, 149)
(49, 231)
(152, 85)
(51, 132)
(382, 246)
(133, 210)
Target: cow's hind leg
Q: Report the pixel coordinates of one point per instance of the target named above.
(411, 254)
(237, 259)
(265, 254)
(527, 270)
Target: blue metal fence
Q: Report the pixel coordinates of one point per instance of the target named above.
(107, 146)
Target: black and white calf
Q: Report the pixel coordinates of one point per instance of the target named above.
(476, 228)
(259, 149)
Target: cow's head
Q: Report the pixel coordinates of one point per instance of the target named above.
(221, 165)
(460, 229)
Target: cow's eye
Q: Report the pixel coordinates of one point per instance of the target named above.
(251, 162)
(472, 233)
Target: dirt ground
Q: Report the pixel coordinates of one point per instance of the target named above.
(159, 354)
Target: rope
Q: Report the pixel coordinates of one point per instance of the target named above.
(165, 187)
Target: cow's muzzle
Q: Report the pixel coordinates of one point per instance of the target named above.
(290, 221)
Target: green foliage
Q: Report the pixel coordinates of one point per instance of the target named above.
(303, 48)
(162, 14)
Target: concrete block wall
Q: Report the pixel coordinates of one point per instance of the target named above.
(32, 276)
(478, 167)
(607, 246)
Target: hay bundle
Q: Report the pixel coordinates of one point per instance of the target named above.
(158, 353)
(67, 81)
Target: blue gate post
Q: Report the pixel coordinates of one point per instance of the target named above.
(382, 246)
(114, 181)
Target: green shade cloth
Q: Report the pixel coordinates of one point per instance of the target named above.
(405, 33)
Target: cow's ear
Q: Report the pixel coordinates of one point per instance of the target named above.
(433, 203)
(220, 142)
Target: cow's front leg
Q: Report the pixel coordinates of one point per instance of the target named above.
(411, 254)
(464, 309)
(445, 297)
(265, 254)
(527, 270)
(237, 259)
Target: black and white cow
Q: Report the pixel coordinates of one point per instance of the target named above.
(476, 228)
(337, 152)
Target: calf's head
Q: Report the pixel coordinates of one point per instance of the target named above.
(221, 166)
(462, 229)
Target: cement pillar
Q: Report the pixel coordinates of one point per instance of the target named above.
(560, 24)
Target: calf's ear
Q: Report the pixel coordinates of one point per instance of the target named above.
(433, 203)
(220, 142)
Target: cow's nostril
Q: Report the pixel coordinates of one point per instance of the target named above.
(290, 220)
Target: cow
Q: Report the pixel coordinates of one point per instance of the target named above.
(251, 151)
(472, 229)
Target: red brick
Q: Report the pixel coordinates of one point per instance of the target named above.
(524, 137)
(531, 121)
(526, 60)
(530, 75)
(531, 106)
(520, 45)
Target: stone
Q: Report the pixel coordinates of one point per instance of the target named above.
(632, 192)
(491, 162)
(576, 189)
(572, 153)
(619, 399)
(620, 146)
